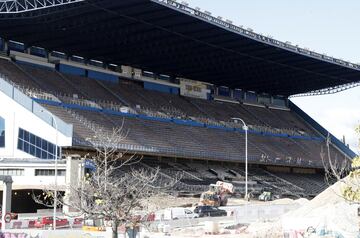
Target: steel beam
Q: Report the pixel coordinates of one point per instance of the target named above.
(21, 6)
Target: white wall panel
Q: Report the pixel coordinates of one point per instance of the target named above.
(17, 116)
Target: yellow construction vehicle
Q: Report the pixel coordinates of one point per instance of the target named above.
(217, 194)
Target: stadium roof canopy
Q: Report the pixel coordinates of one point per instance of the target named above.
(166, 37)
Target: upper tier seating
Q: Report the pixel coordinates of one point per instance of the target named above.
(135, 95)
(16, 75)
(170, 138)
(91, 88)
(50, 80)
(131, 93)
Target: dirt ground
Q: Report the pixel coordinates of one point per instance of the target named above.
(165, 202)
(328, 213)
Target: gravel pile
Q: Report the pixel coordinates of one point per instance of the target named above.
(327, 213)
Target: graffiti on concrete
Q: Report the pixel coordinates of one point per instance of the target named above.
(52, 234)
(17, 235)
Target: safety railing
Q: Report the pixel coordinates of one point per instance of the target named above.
(224, 156)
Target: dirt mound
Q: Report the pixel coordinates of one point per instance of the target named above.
(283, 201)
(330, 196)
(302, 201)
(328, 212)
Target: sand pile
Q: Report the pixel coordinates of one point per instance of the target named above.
(330, 196)
(266, 230)
(302, 201)
(328, 213)
(282, 201)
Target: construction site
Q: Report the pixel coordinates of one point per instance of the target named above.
(152, 118)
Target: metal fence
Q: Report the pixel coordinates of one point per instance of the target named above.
(208, 155)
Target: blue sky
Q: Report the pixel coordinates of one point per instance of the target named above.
(325, 26)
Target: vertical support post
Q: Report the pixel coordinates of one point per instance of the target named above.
(26, 49)
(54, 123)
(6, 46)
(246, 161)
(74, 172)
(56, 175)
(6, 203)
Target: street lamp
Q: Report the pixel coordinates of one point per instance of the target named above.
(245, 128)
(56, 169)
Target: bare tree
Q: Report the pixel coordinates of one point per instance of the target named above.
(335, 168)
(118, 188)
(342, 170)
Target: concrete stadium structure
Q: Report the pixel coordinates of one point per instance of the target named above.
(175, 78)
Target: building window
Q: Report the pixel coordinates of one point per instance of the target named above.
(2, 132)
(49, 172)
(36, 146)
(12, 172)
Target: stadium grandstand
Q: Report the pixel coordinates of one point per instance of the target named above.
(176, 79)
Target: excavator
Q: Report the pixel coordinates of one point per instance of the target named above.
(217, 194)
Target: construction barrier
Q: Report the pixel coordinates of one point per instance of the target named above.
(30, 224)
(53, 234)
(255, 212)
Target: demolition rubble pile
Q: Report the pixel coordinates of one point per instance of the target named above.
(327, 214)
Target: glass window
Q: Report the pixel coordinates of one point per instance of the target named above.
(32, 139)
(12, 172)
(2, 132)
(32, 150)
(44, 145)
(21, 133)
(20, 144)
(43, 155)
(49, 172)
(26, 136)
(61, 172)
(35, 145)
(38, 152)
(38, 142)
(26, 147)
(51, 148)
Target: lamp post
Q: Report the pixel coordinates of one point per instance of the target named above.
(56, 169)
(245, 128)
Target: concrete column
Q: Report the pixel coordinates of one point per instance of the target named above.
(6, 46)
(47, 55)
(7, 197)
(27, 49)
(74, 172)
(6, 202)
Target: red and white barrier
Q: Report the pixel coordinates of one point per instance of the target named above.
(30, 224)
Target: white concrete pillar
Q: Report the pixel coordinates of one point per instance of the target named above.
(6, 46)
(73, 175)
(27, 49)
(7, 197)
(6, 202)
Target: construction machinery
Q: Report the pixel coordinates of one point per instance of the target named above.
(217, 195)
(266, 196)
